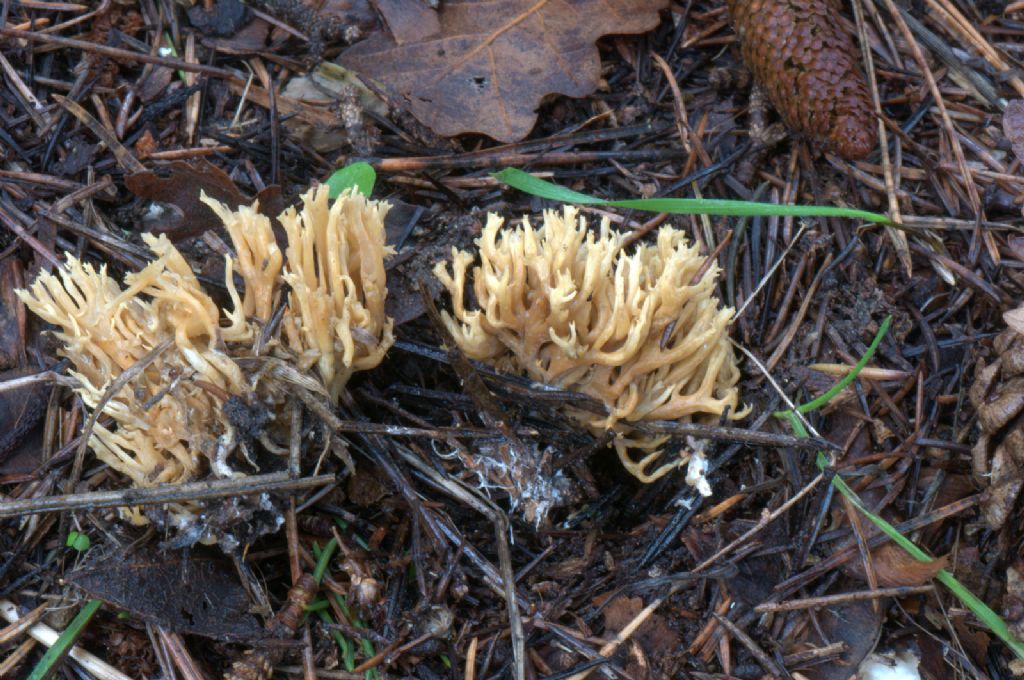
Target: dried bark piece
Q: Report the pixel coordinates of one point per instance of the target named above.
(808, 65)
(1013, 604)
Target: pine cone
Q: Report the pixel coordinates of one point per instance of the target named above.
(998, 396)
(808, 65)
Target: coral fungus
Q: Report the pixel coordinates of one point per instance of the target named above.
(641, 332)
(336, 273)
(169, 424)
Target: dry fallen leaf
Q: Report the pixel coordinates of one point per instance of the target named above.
(492, 61)
(198, 597)
(976, 643)
(409, 21)
(13, 318)
(1013, 126)
(1015, 319)
(333, 89)
(21, 410)
(222, 19)
(856, 624)
(894, 567)
(179, 184)
(1016, 245)
(655, 636)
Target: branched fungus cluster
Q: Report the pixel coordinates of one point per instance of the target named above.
(338, 286)
(640, 331)
(169, 422)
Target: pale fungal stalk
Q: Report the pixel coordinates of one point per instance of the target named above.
(574, 309)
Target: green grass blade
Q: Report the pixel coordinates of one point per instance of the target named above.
(360, 541)
(794, 422)
(819, 402)
(991, 619)
(880, 522)
(717, 206)
(348, 654)
(527, 183)
(55, 654)
(323, 558)
(985, 614)
(169, 46)
(316, 605)
(355, 621)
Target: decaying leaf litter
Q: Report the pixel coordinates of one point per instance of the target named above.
(440, 517)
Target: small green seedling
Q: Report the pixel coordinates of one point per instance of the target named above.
(321, 609)
(360, 175)
(77, 541)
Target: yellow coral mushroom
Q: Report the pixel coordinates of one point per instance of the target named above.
(106, 329)
(574, 309)
(259, 261)
(169, 424)
(336, 273)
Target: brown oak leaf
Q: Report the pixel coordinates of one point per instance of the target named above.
(894, 567)
(180, 184)
(492, 61)
(199, 596)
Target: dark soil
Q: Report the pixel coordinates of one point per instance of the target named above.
(418, 561)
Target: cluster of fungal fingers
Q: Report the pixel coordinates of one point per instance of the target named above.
(809, 66)
(170, 423)
(640, 331)
(337, 292)
(106, 329)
